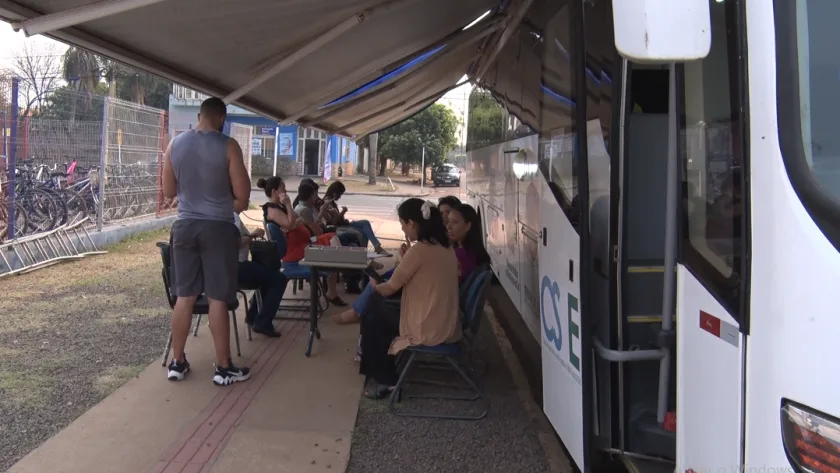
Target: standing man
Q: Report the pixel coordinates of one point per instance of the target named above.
(204, 168)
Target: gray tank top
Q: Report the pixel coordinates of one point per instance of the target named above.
(199, 159)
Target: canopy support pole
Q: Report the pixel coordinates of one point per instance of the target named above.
(74, 16)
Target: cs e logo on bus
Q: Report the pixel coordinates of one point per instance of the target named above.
(554, 331)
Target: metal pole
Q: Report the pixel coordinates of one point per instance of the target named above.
(276, 147)
(668, 286)
(10, 229)
(103, 161)
(422, 169)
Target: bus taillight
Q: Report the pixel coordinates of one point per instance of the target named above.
(811, 439)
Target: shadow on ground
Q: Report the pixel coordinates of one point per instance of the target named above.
(505, 441)
(73, 333)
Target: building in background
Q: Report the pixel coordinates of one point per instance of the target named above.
(299, 151)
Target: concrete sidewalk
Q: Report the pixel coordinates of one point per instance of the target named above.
(295, 414)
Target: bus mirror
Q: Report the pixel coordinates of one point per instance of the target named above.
(662, 31)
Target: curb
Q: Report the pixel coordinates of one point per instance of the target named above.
(377, 194)
(384, 194)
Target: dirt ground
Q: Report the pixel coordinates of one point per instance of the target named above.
(73, 333)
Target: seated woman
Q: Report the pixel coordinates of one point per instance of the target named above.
(314, 218)
(336, 217)
(464, 230)
(279, 210)
(446, 204)
(429, 309)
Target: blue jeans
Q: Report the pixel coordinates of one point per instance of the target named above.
(363, 226)
(360, 304)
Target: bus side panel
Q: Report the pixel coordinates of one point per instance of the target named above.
(709, 380)
(528, 229)
(792, 349)
(559, 258)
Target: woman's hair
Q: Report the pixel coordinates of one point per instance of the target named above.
(427, 219)
(305, 192)
(270, 185)
(473, 241)
(449, 200)
(335, 189)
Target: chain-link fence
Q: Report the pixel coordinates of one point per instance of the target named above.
(54, 149)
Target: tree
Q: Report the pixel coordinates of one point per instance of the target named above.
(145, 89)
(487, 120)
(40, 73)
(82, 69)
(61, 104)
(435, 129)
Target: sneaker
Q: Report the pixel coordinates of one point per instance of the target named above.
(230, 375)
(177, 371)
(383, 252)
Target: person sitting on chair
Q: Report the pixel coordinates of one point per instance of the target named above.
(446, 204)
(298, 235)
(428, 313)
(270, 283)
(337, 217)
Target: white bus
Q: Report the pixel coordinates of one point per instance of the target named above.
(677, 268)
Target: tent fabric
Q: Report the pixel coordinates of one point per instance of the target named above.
(217, 46)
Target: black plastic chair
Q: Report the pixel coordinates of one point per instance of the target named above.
(474, 299)
(202, 304)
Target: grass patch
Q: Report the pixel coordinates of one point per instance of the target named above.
(24, 389)
(111, 381)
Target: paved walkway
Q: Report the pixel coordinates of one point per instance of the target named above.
(295, 414)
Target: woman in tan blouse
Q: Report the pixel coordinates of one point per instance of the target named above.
(428, 278)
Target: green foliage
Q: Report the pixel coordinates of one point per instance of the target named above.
(67, 103)
(486, 120)
(434, 128)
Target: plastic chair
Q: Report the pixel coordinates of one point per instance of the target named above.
(475, 298)
(202, 304)
(294, 272)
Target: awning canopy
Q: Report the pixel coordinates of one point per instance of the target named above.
(316, 62)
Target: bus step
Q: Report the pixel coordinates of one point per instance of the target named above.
(643, 465)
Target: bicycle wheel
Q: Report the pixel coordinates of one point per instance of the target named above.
(21, 222)
(42, 209)
(76, 207)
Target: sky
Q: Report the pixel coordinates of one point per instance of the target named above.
(11, 44)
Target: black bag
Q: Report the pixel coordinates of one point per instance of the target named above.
(265, 252)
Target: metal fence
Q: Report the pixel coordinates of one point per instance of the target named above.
(99, 158)
(243, 134)
(132, 157)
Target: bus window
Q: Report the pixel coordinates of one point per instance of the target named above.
(487, 122)
(808, 64)
(711, 157)
(558, 126)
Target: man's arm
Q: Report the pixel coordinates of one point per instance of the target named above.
(239, 180)
(170, 190)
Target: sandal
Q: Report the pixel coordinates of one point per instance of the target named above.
(337, 301)
(379, 393)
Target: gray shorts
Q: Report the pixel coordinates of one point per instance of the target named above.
(205, 258)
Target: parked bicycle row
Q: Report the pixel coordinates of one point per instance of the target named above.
(49, 196)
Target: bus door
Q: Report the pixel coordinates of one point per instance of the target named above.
(559, 245)
(709, 217)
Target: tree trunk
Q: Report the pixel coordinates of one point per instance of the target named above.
(374, 151)
(112, 88)
(383, 165)
(406, 168)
